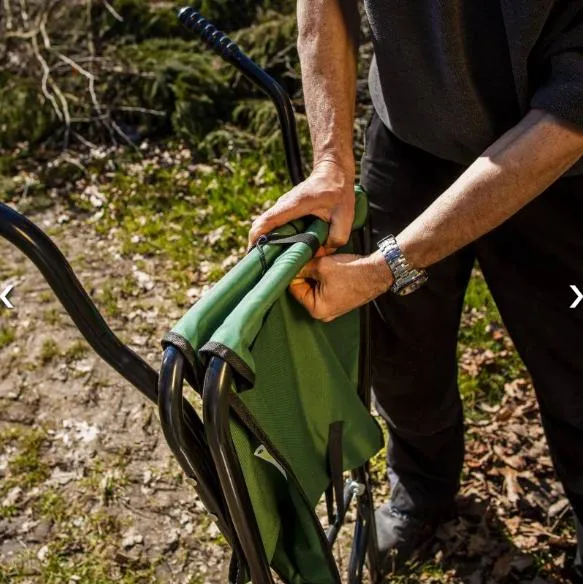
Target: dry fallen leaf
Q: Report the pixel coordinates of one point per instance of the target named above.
(513, 490)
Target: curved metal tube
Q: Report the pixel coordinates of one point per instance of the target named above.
(41, 250)
(216, 404)
(188, 443)
(229, 50)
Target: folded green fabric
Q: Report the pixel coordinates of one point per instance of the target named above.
(294, 378)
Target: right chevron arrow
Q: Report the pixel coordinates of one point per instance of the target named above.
(579, 296)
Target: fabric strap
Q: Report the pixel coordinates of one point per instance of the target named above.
(335, 464)
(275, 239)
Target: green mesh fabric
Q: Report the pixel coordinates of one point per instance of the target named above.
(299, 376)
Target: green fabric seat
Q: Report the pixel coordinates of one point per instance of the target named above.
(295, 378)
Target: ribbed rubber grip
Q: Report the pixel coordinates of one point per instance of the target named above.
(209, 33)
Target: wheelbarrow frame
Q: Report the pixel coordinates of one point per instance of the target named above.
(206, 451)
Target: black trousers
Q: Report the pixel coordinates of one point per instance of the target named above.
(529, 264)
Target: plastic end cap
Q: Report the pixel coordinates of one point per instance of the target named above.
(184, 12)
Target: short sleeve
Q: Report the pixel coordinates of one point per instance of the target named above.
(561, 94)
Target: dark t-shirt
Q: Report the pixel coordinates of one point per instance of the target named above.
(443, 79)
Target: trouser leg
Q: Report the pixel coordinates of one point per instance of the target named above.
(529, 264)
(414, 338)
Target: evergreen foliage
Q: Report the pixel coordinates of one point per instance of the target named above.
(133, 72)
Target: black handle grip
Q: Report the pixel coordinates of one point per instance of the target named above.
(208, 32)
(230, 52)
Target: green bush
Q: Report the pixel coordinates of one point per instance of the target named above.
(153, 78)
(177, 77)
(24, 114)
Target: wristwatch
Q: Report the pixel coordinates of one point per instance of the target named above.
(406, 278)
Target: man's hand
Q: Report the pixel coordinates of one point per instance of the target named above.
(330, 286)
(328, 33)
(328, 193)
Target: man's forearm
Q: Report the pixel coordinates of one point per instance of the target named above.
(512, 172)
(327, 45)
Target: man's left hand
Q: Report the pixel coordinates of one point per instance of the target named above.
(330, 286)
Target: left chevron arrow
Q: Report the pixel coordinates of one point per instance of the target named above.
(4, 296)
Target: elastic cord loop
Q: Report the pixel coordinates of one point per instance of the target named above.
(263, 240)
(275, 239)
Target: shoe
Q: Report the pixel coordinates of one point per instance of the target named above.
(400, 535)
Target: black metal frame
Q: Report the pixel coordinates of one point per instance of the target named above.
(206, 452)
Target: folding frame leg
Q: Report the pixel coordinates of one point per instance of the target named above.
(364, 544)
(216, 405)
(186, 437)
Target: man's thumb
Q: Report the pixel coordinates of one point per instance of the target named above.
(339, 234)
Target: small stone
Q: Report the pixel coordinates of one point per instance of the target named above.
(12, 497)
(213, 530)
(130, 539)
(27, 526)
(42, 553)
(172, 540)
(147, 477)
(143, 280)
(40, 532)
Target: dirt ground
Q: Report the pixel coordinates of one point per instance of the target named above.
(102, 449)
(89, 491)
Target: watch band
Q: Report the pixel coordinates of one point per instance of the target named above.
(406, 278)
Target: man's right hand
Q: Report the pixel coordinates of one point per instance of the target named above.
(328, 193)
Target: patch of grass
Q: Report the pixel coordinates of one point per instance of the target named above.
(416, 572)
(106, 479)
(9, 436)
(52, 505)
(27, 464)
(52, 316)
(83, 560)
(49, 351)
(109, 301)
(8, 511)
(6, 336)
(76, 351)
(104, 523)
(186, 212)
(46, 296)
(26, 467)
(82, 552)
(111, 295)
(378, 463)
(483, 338)
(6, 574)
